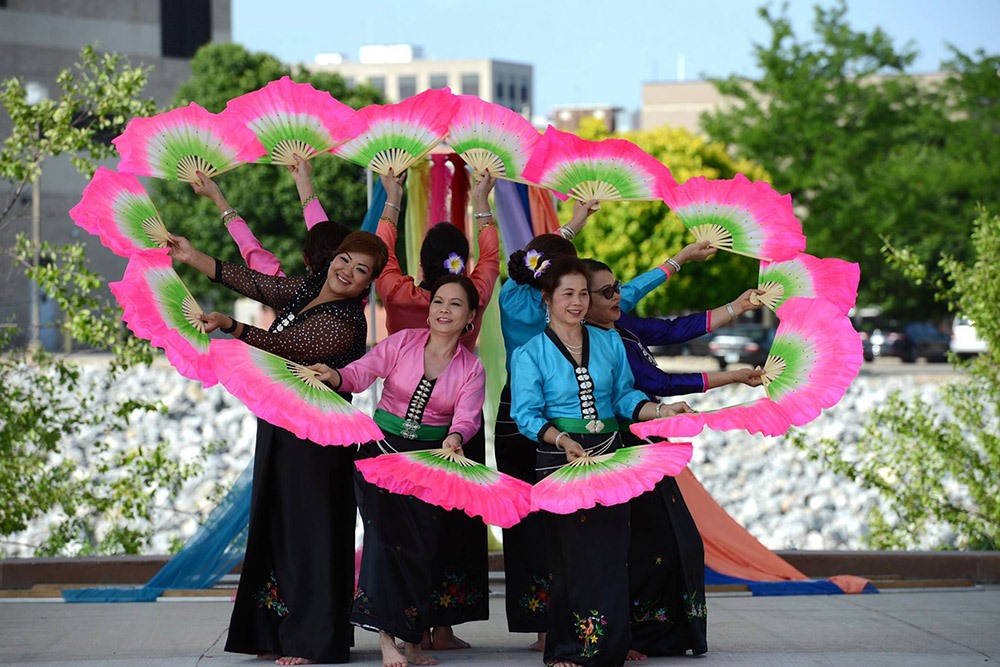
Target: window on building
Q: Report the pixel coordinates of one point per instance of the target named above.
(439, 81)
(470, 84)
(378, 83)
(511, 94)
(524, 91)
(185, 25)
(498, 94)
(407, 86)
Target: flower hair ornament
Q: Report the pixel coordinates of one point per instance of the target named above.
(455, 264)
(533, 260)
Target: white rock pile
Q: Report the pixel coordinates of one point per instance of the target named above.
(766, 484)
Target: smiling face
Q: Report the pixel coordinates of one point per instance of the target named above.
(604, 311)
(449, 311)
(350, 274)
(570, 299)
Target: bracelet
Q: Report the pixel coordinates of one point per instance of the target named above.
(658, 406)
(561, 434)
(395, 206)
(231, 215)
(672, 262)
(389, 220)
(228, 211)
(230, 329)
(729, 309)
(484, 225)
(567, 233)
(485, 214)
(308, 200)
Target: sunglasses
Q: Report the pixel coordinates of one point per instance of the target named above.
(609, 292)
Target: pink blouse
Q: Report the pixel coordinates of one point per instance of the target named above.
(458, 394)
(253, 252)
(406, 304)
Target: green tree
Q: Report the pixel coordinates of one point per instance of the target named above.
(264, 194)
(98, 94)
(633, 237)
(866, 150)
(934, 462)
(47, 402)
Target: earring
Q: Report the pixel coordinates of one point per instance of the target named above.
(583, 320)
(546, 313)
(469, 328)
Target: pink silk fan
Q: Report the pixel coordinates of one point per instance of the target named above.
(177, 144)
(444, 478)
(738, 216)
(159, 308)
(815, 356)
(609, 479)
(394, 136)
(116, 208)
(288, 395)
(612, 169)
(290, 119)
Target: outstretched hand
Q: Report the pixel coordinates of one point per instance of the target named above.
(481, 193)
(695, 252)
(181, 249)
(751, 377)
(673, 409)
(206, 187)
(584, 209)
(744, 303)
(215, 320)
(393, 186)
(326, 374)
(453, 442)
(301, 170)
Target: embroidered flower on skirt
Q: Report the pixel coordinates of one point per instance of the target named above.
(455, 591)
(695, 607)
(590, 629)
(268, 598)
(536, 599)
(649, 611)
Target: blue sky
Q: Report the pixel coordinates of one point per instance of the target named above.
(584, 53)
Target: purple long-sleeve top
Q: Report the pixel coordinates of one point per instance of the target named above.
(638, 333)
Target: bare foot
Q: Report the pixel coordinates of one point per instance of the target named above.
(391, 657)
(444, 639)
(415, 655)
(563, 663)
(425, 641)
(293, 660)
(539, 644)
(635, 655)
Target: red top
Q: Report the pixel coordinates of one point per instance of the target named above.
(406, 304)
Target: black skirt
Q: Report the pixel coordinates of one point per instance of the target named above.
(525, 562)
(666, 566)
(295, 590)
(460, 574)
(401, 538)
(588, 555)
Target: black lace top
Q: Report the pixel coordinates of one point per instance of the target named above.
(331, 333)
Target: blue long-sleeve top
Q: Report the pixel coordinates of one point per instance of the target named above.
(522, 313)
(544, 386)
(638, 333)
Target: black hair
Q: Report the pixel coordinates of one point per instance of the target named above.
(470, 288)
(441, 240)
(596, 265)
(322, 241)
(550, 246)
(562, 266)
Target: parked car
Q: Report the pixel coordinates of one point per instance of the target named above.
(696, 347)
(744, 344)
(965, 342)
(881, 339)
(923, 339)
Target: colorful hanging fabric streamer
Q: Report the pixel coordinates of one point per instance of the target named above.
(417, 184)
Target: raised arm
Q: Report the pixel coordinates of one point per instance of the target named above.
(487, 270)
(634, 290)
(253, 253)
(391, 278)
(312, 210)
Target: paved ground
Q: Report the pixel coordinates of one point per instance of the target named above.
(913, 628)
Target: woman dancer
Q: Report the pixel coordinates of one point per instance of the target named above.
(666, 561)
(570, 386)
(522, 316)
(298, 581)
(432, 397)
(461, 565)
